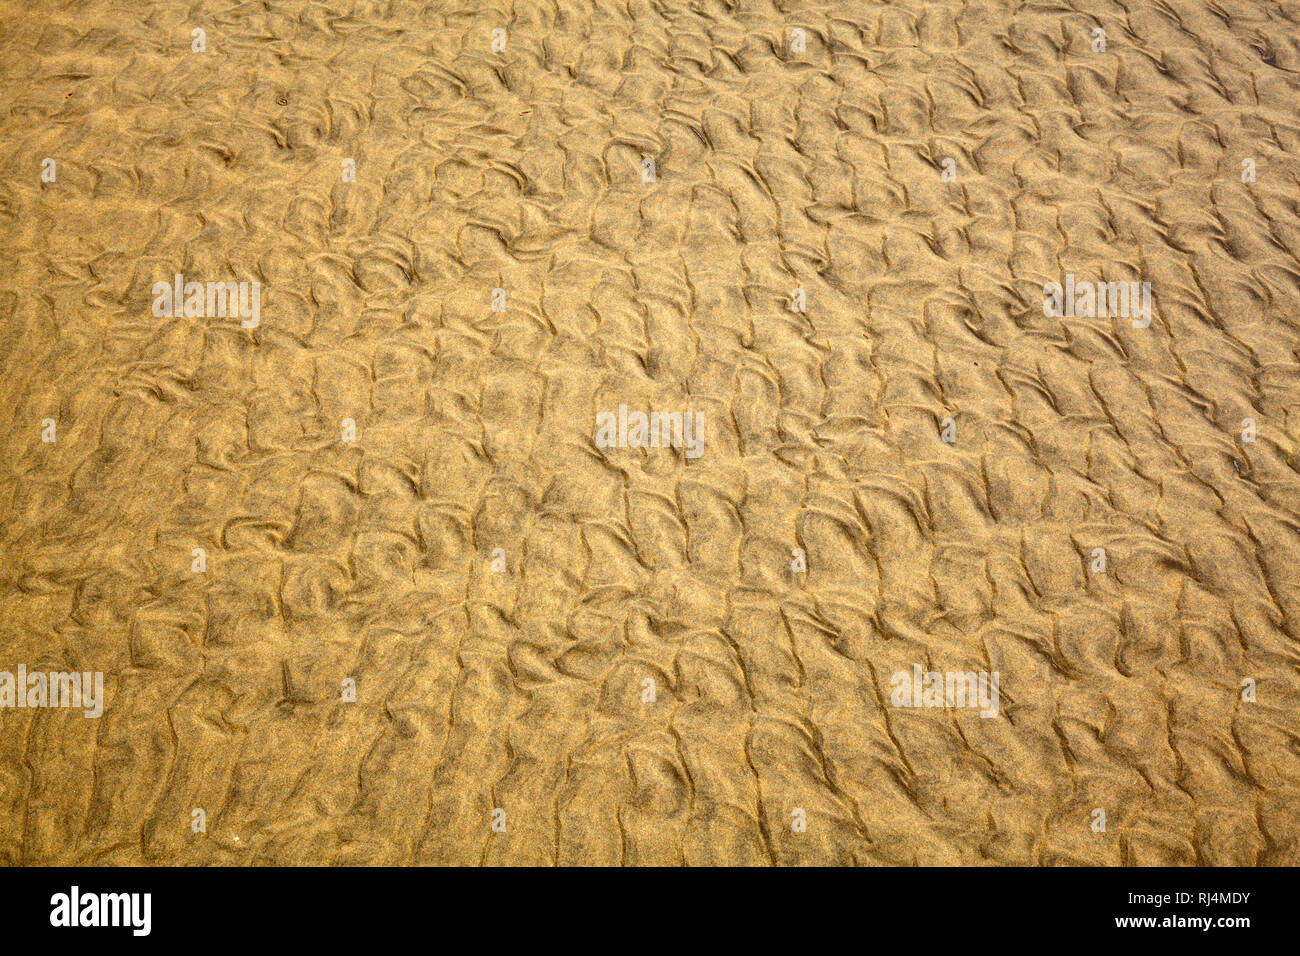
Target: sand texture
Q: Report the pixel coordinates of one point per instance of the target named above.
(642, 674)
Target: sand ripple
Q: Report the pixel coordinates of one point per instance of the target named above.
(523, 690)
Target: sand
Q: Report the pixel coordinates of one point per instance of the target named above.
(906, 465)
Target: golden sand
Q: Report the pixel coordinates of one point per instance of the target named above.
(642, 673)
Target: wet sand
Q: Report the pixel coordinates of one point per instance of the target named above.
(642, 674)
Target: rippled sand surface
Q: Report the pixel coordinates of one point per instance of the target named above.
(525, 689)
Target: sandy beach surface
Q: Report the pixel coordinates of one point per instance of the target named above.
(383, 568)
